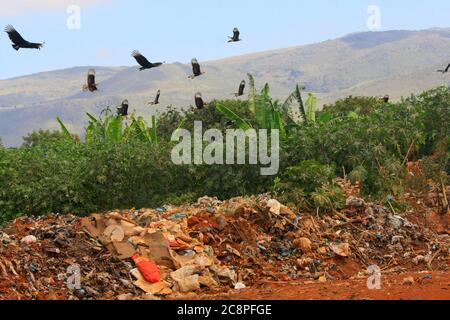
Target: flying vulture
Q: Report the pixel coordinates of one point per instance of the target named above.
(90, 85)
(18, 41)
(156, 101)
(123, 109)
(235, 37)
(195, 69)
(241, 89)
(143, 62)
(444, 71)
(199, 101)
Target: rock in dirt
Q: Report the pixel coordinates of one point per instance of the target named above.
(304, 244)
(342, 249)
(408, 281)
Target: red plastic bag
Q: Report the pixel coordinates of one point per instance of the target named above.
(148, 269)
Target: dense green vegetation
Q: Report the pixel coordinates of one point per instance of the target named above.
(124, 163)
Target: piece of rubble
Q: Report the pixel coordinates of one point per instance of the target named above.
(354, 202)
(160, 287)
(418, 259)
(186, 279)
(304, 244)
(28, 240)
(274, 206)
(240, 286)
(408, 281)
(342, 249)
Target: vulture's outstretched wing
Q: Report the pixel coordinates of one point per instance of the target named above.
(15, 36)
(199, 103)
(196, 68)
(236, 34)
(241, 88)
(91, 77)
(448, 68)
(18, 41)
(444, 70)
(90, 84)
(143, 62)
(156, 101)
(123, 109)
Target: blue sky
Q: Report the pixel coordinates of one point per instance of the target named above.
(178, 30)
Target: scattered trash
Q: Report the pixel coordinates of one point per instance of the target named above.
(419, 259)
(355, 202)
(274, 206)
(28, 240)
(33, 267)
(211, 246)
(178, 216)
(342, 249)
(148, 269)
(240, 286)
(4, 238)
(186, 279)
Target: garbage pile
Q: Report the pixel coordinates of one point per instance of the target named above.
(209, 247)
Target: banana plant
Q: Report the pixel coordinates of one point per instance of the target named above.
(296, 95)
(106, 129)
(111, 128)
(267, 112)
(64, 129)
(230, 115)
(311, 108)
(139, 129)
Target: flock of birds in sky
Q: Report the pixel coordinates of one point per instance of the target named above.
(18, 42)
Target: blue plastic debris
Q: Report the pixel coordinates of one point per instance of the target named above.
(178, 216)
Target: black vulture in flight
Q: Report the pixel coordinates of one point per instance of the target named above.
(143, 62)
(241, 89)
(90, 85)
(235, 37)
(156, 101)
(199, 103)
(123, 109)
(18, 41)
(196, 70)
(446, 69)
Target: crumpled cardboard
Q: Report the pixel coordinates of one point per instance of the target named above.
(162, 287)
(186, 279)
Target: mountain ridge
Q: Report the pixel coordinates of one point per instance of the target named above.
(398, 63)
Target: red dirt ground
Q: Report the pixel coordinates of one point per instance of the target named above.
(392, 288)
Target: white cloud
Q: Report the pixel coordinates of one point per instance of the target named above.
(16, 7)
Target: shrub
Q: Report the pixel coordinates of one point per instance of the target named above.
(369, 140)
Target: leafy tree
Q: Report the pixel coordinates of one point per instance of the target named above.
(44, 137)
